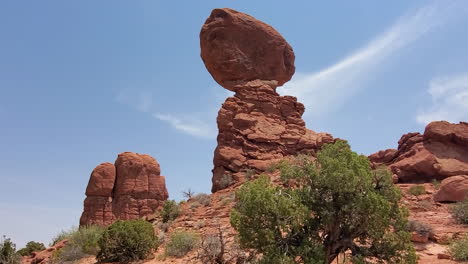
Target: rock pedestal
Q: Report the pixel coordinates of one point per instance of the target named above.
(256, 126)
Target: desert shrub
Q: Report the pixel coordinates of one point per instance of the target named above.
(436, 184)
(460, 212)
(188, 193)
(170, 210)
(249, 173)
(81, 243)
(62, 235)
(127, 241)
(31, 247)
(420, 228)
(8, 254)
(459, 249)
(336, 204)
(203, 198)
(424, 204)
(180, 243)
(417, 190)
(226, 181)
(211, 249)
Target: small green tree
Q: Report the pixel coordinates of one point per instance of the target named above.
(324, 207)
(127, 241)
(8, 254)
(170, 211)
(31, 247)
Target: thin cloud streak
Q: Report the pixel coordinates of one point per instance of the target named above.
(188, 125)
(326, 90)
(449, 100)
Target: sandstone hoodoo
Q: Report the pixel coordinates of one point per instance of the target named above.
(256, 126)
(441, 152)
(131, 188)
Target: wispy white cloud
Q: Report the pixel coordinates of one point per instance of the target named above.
(326, 90)
(197, 124)
(189, 124)
(141, 100)
(449, 99)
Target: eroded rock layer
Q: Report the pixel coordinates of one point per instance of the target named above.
(256, 128)
(441, 152)
(131, 188)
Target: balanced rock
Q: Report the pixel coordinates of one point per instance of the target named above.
(257, 126)
(237, 47)
(132, 188)
(441, 152)
(453, 189)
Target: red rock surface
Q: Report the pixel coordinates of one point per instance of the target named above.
(44, 256)
(258, 127)
(453, 189)
(238, 47)
(130, 189)
(440, 153)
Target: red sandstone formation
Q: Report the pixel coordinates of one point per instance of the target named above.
(44, 256)
(453, 189)
(440, 153)
(130, 189)
(237, 47)
(256, 126)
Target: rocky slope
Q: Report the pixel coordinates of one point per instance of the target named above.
(441, 152)
(256, 126)
(131, 188)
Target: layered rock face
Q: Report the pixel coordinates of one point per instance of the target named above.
(256, 126)
(131, 188)
(441, 152)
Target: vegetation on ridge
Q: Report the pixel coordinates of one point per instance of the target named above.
(325, 207)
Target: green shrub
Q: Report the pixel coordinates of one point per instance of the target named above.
(62, 235)
(81, 243)
(202, 198)
(417, 190)
(459, 249)
(335, 204)
(460, 212)
(31, 247)
(420, 228)
(180, 243)
(127, 241)
(8, 254)
(170, 211)
(226, 181)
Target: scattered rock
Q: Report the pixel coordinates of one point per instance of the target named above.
(130, 189)
(453, 189)
(44, 256)
(440, 153)
(443, 256)
(420, 238)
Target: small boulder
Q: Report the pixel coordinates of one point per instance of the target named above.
(453, 189)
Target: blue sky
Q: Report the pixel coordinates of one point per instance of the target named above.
(85, 80)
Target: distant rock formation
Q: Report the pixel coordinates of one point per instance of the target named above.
(256, 126)
(129, 189)
(440, 153)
